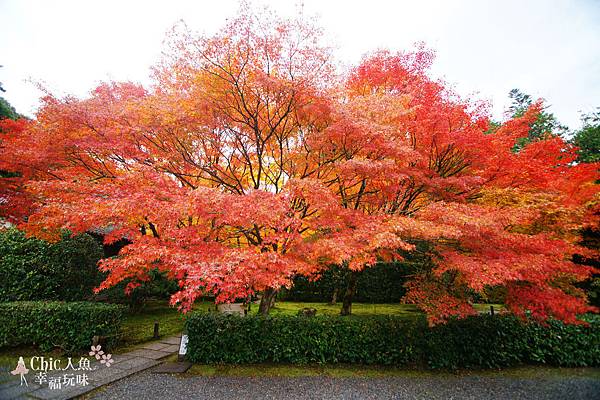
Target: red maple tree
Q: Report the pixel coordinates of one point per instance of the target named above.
(253, 159)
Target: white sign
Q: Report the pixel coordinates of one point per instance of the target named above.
(183, 345)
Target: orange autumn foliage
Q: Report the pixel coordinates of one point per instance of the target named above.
(252, 159)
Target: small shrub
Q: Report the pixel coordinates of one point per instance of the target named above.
(69, 326)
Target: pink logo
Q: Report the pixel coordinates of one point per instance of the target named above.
(22, 370)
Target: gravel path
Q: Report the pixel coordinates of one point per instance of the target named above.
(148, 385)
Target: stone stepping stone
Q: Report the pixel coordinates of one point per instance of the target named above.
(68, 393)
(149, 354)
(172, 348)
(16, 391)
(155, 346)
(172, 367)
(171, 340)
(134, 364)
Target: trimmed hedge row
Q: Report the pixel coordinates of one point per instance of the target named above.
(69, 326)
(503, 341)
(475, 342)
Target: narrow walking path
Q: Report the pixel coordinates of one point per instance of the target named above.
(126, 364)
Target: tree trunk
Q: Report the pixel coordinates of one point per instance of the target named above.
(334, 297)
(267, 301)
(349, 294)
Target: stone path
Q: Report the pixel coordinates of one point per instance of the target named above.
(144, 357)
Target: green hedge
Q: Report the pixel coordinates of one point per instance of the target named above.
(159, 286)
(69, 326)
(381, 283)
(215, 338)
(475, 342)
(32, 269)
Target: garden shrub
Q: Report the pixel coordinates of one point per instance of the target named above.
(501, 341)
(381, 283)
(158, 286)
(568, 345)
(475, 342)
(32, 269)
(69, 326)
(478, 342)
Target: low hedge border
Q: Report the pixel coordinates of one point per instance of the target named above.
(474, 342)
(50, 324)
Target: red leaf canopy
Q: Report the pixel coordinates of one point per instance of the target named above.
(252, 159)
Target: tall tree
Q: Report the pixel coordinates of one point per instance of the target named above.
(410, 149)
(587, 139)
(251, 160)
(6, 110)
(543, 125)
(11, 182)
(211, 175)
